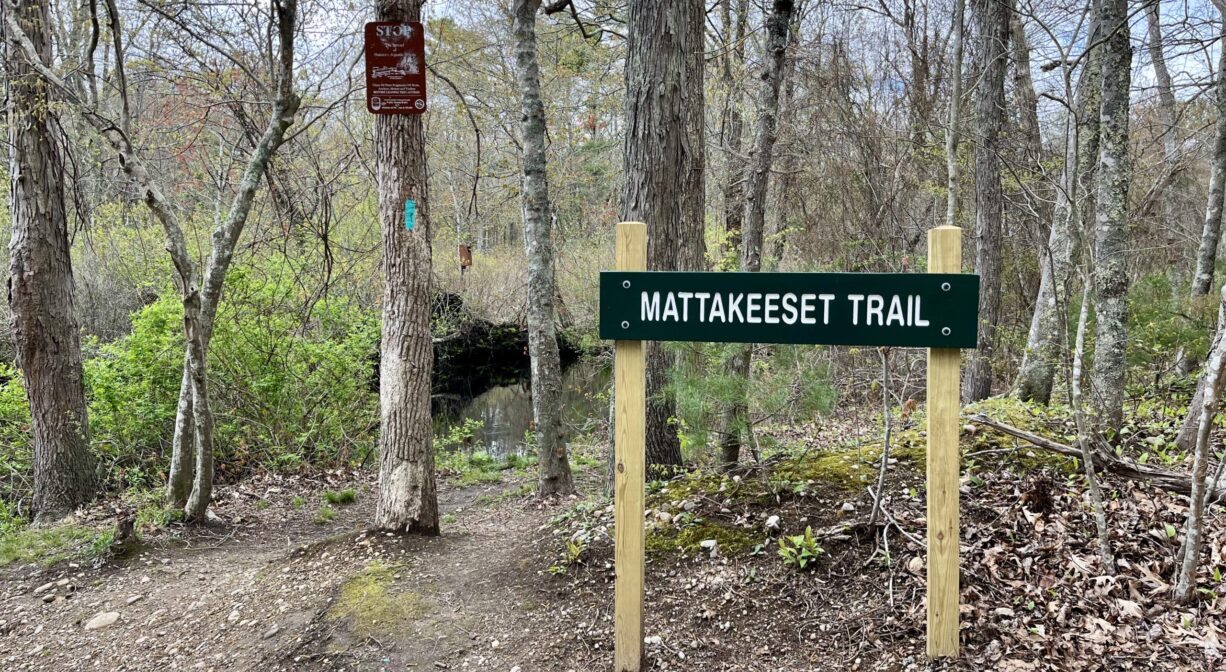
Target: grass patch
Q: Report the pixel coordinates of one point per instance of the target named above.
(325, 514)
(297, 503)
(370, 605)
(48, 546)
(341, 497)
(152, 510)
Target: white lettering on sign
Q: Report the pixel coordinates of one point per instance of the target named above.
(871, 310)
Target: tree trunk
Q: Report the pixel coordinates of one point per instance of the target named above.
(1111, 222)
(555, 476)
(408, 501)
(40, 286)
(1206, 256)
(992, 29)
(955, 118)
(1046, 341)
(1189, 553)
(734, 122)
(1023, 89)
(1174, 194)
(224, 241)
(663, 169)
(757, 181)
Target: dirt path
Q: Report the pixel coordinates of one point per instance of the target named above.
(275, 589)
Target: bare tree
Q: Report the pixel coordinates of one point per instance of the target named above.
(40, 285)
(955, 118)
(408, 499)
(758, 179)
(663, 169)
(555, 477)
(1046, 342)
(732, 128)
(1189, 552)
(1111, 221)
(191, 473)
(1206, 257)
(991, 18)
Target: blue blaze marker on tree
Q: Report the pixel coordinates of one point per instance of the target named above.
(410, 213)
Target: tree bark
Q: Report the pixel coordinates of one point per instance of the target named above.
(663, 170)
(408, 500)
(555, 477)
(992, 30)
(757, 181)
(40, 285)
(1046, 342)
(1111, 222)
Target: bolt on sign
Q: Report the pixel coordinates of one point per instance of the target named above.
(938, 310)
(395, 67)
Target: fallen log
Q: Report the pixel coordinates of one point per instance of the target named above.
(1171, 481)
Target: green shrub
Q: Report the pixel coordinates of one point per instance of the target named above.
(347, 496)
(800, 550)
(290, 380)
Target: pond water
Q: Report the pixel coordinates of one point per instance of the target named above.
(505, 411)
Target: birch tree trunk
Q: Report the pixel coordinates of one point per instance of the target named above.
(992, 30)
(40, 285)
(1046, 341)
(757, 182)
(1189, 552)
(555, 477)
(663, 169)
(408, 500)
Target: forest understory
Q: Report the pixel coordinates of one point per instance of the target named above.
(516, 583)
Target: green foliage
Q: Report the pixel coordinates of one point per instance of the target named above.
(16, 458)
(1162, 321)
(297, 502)
(48, 546)
(788, 383)
(289, 379)
(325, 514)
(800, 550)
(347, 496)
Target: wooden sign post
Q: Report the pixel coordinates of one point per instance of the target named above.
(629, 471)
(938, 310)
(944, 408)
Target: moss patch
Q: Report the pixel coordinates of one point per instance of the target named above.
(370, 605)
(688, 539)
(1054, 422)
(850, 469)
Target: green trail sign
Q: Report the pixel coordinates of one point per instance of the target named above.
(922, 310)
